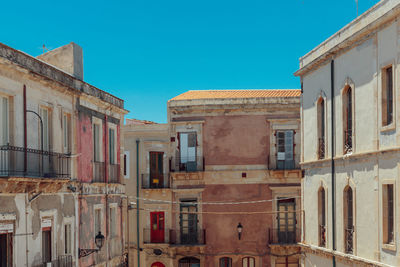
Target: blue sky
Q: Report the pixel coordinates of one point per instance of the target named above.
(148, 51)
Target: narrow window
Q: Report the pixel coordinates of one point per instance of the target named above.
(388, 214)
(225, 262)
(156, 170)
(321, 217)
(126, 164)
(387, 96)
(97, 221)
(67, 239)
(113, 225)
(46, 244)
(44, 114)
(66, 133)
(248, 262)
(96, 142)
(4, 123)
(285, 143)
(348, 121)
(111, 143)
(348, 219)
(321, 128)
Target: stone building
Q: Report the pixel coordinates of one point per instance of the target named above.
(234, 146)
(350, 151)
(59, 163)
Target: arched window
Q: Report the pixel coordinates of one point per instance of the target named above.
(322, 217)
(189, 262)
(321, 128)
(348, 219)
(348, 120)
(225, 262)
(248, 262)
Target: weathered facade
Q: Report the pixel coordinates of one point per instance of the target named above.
(240, 147)
(350, 151)
(50, 183)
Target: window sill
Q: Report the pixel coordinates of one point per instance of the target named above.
(391, 247)
(388, 128)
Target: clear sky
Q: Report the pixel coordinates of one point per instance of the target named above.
(148, 51)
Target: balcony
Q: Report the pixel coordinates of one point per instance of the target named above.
(26, 162)
(187, 164)
(322, 235)
(349, 240)
(98, 172)
(191, 238)
(113, 173)
(348, 141)
(156, 237)
(283, 236)
(321, 148)
(155, 181)
(61, 261)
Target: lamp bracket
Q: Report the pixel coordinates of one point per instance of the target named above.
(83, 252)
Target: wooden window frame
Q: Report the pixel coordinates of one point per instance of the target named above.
(388, 224)
(387, 96)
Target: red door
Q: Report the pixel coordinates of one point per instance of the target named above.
(157, 227)
(157, 264)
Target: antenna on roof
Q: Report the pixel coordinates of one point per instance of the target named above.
(357, 7)
(44, 48)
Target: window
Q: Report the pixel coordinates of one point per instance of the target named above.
(97, 221)
(248, 262)
(321, 217)
(285, 144)
(187, 148)
(321, 128)
(388, 214)
(6, 249)
(113, 219)
(189, 262)
(111, 144)
(156, 170)
(126, 164)
(188, 222)
(44, 114)
(66, 123)
(46, 244)
(348, 120)
(67, 239)
(348, 219)
(4, 121)
(286, 221)
(96, 142)
(387, 96)
(225, 262)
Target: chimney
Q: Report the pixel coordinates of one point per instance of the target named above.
(68, 58)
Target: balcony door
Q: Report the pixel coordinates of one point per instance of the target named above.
(157, 222)
(286, 221)
(187, 148)
(188, 223)
(156, 169)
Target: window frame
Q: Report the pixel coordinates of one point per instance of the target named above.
(385, 124)
(66, 132)
(348, 120)
(251, 262)
(277, 147)
(225, 262)
(97, 157)
(112, 144)
(321, 128)
(47, 127)
(347, 204)
(322, 222)
(97, 207)
(387, 243)
(5, 119)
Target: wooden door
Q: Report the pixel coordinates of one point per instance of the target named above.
(156, 170)
(188, 223)
(157, 227)
(286, 221)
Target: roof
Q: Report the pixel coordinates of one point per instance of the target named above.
(138, 122)
(234, 94)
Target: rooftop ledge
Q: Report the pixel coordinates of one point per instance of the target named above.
(373, 18)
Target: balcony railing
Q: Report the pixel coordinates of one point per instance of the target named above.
(61, 261)
(182, 237)
(187, 164)
(113, 173)
(283, 236)
(98, 172)
(156, 237)
(321, 148)
(348, 141)
(322, 235)
(348, 232)
(27, 162)
(155, 181)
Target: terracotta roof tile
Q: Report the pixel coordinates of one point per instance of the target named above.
(138, 122)
(221, 94)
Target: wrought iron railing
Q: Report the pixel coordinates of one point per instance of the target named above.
(349, 232)
(187, 164)
(321, 148)
(155, 181)
(156, 237)
(27, 162)
(284, 235)
(348, 141)
(61, 261)
(113, 173)
(190, 237)
(98, 172)
(322, 235)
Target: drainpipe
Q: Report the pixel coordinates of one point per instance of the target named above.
(137, 202)
(332, 160)
(25, 132)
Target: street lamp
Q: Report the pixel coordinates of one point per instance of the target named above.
(98, 240)
(239, 230)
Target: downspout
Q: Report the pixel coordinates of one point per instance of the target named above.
(25, 168)
(137, 202)
(332, 160)
(106, 180)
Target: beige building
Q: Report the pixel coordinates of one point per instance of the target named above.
(351, 143)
